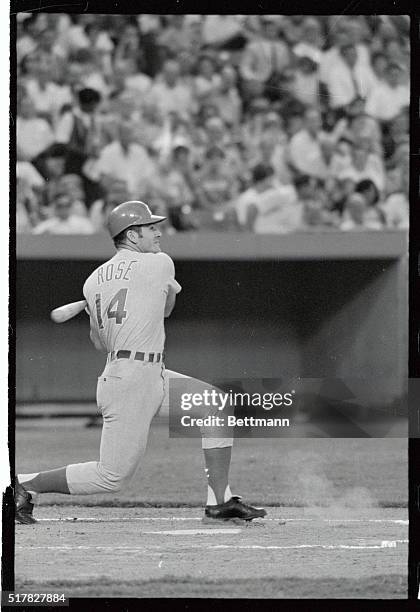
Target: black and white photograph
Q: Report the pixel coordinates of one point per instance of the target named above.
(210, 216)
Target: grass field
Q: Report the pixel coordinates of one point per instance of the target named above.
(334, 505)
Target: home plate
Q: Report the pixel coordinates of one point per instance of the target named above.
(194, 531)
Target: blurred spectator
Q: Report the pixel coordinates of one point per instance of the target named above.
(215, 184)
(315, 212)
(264, 59)
(47, 96)
(169, 94)
(47, 44)
(277, 209)
(217, 135)
(33, 134)
(353, 214)
(125, 160)
(272, 153)
(305, 81)
(72, 186)
(63, 221)
(358, 215)
(363, 126)
(130, 78)
(396, 207)
(80, 130)
(226, 98)
(116, 193)
(129, 46)
(73, 36)
(152, 126)
(177, 188)
(253, 126)
(348, 78)
(52, 165)
(364, 165)
(91, 74)
(390, 95)
(207, 82)
(338, 194)
(269, 208)
(305, 149)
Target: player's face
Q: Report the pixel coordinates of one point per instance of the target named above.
(149, 241)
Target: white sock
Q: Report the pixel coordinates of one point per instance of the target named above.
(228, 494)
(25, 477)
(211, 498)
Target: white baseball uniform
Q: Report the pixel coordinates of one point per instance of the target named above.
(126, 299)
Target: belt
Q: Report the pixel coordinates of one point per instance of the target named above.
(137, 356)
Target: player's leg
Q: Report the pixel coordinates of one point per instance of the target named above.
(127, 415)
(217, 445)
(217, 450)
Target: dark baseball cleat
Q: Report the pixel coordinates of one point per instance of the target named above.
(23, 505)
(233, 509)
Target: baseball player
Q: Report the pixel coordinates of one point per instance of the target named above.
(128, 298)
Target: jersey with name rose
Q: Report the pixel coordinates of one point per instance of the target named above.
(126, 298)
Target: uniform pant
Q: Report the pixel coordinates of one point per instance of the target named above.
(129, 394)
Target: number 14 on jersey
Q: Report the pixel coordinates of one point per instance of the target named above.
(116, 309)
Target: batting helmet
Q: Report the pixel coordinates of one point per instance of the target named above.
(130, 213)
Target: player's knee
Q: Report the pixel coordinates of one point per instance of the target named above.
(114, 481)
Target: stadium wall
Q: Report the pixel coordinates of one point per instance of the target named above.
(254, 307)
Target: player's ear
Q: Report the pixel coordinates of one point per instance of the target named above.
(133, 233)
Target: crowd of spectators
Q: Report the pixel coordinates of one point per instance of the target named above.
(261, 123)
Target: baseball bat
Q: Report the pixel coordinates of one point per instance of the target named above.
(68, 311)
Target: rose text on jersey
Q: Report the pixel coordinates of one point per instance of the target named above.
(111, 272)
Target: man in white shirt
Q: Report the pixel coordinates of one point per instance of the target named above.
(63, 221)
(305, 147)
(389, 96)
(266, 55)
(126, 160)
(348, 77)
(33, 134)
(170, 94)
(267, 207)
(47, 96)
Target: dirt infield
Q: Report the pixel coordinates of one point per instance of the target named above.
(169, 552)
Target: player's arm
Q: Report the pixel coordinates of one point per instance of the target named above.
(172, 286)
(96, 341)
(170, 300)
(94, 334)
